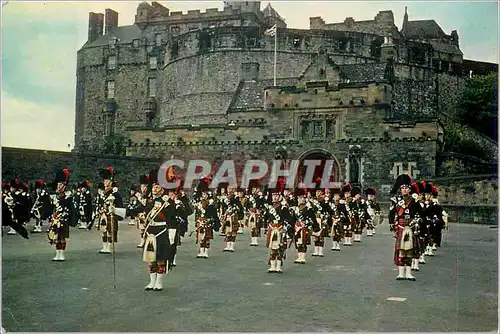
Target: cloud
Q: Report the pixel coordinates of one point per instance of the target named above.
(32, 125)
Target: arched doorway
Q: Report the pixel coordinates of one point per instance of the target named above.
(323, 156)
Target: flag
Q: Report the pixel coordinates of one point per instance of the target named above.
(271, 31)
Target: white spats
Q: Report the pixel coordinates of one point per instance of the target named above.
(227, 248)
(11, 231)
(335, 246)
(272, 269)
(434, 247)
(159, 282)
(278, 266)
(201, 254)
(152, 281)
(396, 299)
(320, 251)
(408, 275)
(414, 265)
(369, 233)
(37, 229)
(131, 222)
(421, 259)
(82, 226)
(401, 273)
(254, 241)
(174, 263)
(59, 255)
(316, 251)
(106, 248)
(205, 253)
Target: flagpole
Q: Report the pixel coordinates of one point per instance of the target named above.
(275, 45)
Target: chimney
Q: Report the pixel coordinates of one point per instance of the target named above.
(111, 20)
(96, 24)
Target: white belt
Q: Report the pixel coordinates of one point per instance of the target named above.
(158, 224)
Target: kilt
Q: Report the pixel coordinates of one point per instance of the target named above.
(162, 247)
(404, 257)
(111, 219)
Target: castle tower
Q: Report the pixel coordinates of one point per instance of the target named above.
(272, 17)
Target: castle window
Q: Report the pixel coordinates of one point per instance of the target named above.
(111, 62)
(153, 63)
(296, 42)
(110, 90)
(135, 43)
(109, 123)
(158, 39)
(322, 74)
(175, 30)
(304, 129)
(330, 128)
(152, 87)
(174, 49)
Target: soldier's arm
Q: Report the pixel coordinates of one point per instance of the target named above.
(392, 213)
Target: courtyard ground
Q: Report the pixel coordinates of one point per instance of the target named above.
(351, 290)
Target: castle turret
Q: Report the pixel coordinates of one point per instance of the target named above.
(388, 50)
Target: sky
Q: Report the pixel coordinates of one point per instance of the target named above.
(40, 41)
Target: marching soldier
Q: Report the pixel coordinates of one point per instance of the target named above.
(109, 216)
(304, 219)
(184, 215)
(158, 239)
(403, 218)
(319, 224)
(64, 214)
(133, 205)
(337, 216)
(12, 209)
(348, 219)
(42, 209)
(231, 220)
(207, 219)
(144, 198)
(358, 210)
(373, 209)
(84, 204)
(276, 242)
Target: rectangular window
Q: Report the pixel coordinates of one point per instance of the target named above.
(111, 62)
(152, 87)
(175, 30)
(136, 43)
(330, 129)
(153, 63)
(158, 39)
(111, 90)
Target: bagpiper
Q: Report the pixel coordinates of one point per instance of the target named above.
(348, 219)
(359, 212)
(157, 250)
(11, 208)
(84, 204)
(144, 197)
(337, 216)
(304, 218)
(64, 214)
(373, 209)
(109, 216)
(133, 205)
(276, 242)
(207, 219)
(403, 218)
(231, 220)
(42, 209)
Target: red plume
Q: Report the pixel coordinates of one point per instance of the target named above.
(87, 182)
(111, 170)
(318, 180)
(66, 172)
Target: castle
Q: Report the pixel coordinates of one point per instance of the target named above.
(370, 96)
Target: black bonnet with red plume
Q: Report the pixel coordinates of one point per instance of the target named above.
(62, 175)
(107, 173)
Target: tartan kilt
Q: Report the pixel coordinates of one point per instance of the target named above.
(412, 253)
(112, 219)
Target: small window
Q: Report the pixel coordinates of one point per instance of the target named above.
(175, 30)
(158, 39)
(111, 62)
(318, 129)
(136, 43)
(111, 90)
(296, 42)
(152, 87)
(153, 63)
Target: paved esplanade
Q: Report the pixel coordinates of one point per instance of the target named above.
(343, 291)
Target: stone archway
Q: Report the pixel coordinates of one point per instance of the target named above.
(322, 155)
